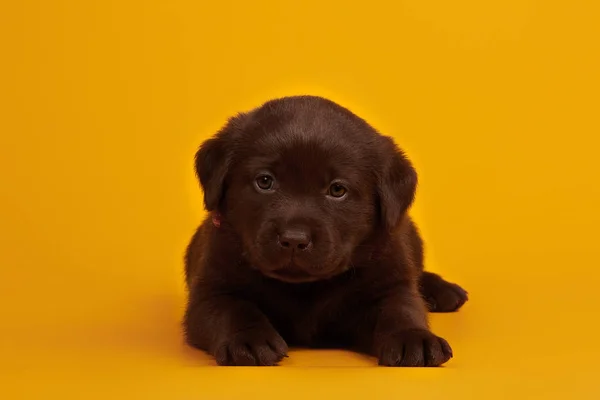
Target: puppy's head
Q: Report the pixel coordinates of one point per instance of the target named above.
(304, 182)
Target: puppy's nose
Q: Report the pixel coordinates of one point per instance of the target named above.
(297, 238)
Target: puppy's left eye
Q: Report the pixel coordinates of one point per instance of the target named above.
(264, 182)
(337, 190)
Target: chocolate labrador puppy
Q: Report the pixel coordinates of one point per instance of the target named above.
(308, 242)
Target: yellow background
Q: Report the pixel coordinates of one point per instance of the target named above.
(103, 103)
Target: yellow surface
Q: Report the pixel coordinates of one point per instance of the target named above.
(102, 104)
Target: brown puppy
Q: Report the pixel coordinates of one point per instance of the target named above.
(309, 242)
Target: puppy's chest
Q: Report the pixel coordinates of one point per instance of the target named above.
(304, 317)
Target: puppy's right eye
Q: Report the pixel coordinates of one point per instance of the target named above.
(264, 182)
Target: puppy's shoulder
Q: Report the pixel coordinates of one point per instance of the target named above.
(408, 232)
(214, 257)
(404, 250)
(196, 252)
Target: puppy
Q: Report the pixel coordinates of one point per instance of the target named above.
(308, 242)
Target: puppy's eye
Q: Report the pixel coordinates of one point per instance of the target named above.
(337, 190)
(264, 182)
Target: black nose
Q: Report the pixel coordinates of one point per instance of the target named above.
(297, 238)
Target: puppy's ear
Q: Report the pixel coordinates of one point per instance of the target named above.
(212, 163)
(397, 184)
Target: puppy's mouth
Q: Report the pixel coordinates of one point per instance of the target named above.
(293, 274)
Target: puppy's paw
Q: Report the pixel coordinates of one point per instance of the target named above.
(414, 348)
(443, 296)
(252, 347)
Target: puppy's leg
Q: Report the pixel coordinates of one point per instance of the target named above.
(439, 294)
(401, 336)
(234, 331)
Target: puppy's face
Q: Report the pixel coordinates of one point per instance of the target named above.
(301, 203)
(304, 182)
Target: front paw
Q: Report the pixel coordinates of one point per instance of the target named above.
(252, 347)
(414, 348)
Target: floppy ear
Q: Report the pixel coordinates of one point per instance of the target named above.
(212, 163)
(211, 169)
(397, 184)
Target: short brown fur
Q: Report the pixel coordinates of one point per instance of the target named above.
(353, 277)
